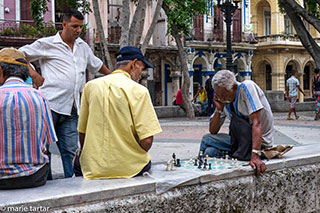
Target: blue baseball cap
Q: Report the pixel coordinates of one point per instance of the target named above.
(130, 53)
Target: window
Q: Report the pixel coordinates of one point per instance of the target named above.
(287, 25)
(267, 22)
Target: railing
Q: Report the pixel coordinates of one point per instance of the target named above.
(26, 28)
(277, 38)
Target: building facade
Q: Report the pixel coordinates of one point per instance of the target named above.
(278, 49)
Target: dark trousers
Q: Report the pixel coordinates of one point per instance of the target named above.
(78, 172)
(211, 106)
(37, 179)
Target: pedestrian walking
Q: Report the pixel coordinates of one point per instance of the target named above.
(316, 91)
(292, 87)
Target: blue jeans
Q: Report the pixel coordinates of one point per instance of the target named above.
(218, 145)
(66, 130)
(215, 145)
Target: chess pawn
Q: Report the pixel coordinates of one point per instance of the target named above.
(168, 166)
(201, 155)
(178, 163)
(195, 162)
(210, 166)
(172, 165)
(227, 158)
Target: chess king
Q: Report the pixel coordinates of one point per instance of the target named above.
(251, 127)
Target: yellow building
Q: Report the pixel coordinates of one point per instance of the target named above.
(278, 49)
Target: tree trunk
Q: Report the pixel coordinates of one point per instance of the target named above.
(134, 23)
(152, 26)
(124, 23)
(140, 25)
(306, 39)
(184, 67)
(103, 43)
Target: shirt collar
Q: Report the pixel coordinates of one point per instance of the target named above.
(57, 39)
(122, 72)
(14, 79)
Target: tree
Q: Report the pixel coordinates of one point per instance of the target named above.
(103, 43)
(180, 13)
(310, 13)
(131, 33)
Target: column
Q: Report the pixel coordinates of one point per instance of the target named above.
(175, 75)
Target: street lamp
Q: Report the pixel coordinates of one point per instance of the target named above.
(228, 8)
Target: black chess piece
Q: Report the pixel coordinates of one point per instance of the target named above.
(196, 162)
(178, 163)
(200, 166)
(174, 159)
(210, 166)
(205, 165)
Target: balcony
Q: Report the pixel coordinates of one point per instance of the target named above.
(17, 33)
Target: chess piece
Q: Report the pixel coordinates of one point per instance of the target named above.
(178, 163)
(190, 160)
(172, 165)
(205, 165)
(168, 166)
(200, 165)
(227, 158)
(210, 166)
(195, 162)
(201, 155)
(174, 159)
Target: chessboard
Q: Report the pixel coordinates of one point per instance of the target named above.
(204, 163)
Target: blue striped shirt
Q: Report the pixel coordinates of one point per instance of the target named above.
(26, 129)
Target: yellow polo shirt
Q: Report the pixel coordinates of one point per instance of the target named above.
(116, 113)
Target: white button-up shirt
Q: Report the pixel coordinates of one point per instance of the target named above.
(63, 70)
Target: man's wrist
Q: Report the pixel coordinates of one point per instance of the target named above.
(218, 111)
(257, 152)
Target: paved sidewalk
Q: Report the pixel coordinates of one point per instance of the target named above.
(183, 136)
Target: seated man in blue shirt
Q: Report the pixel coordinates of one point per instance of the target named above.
(26, 126)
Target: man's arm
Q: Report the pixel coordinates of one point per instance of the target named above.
(287, 93)
(37, 79)
(104, 70)
(215, 125)
(82, 136)
(255, 161)
(146, 143)
(299, 88)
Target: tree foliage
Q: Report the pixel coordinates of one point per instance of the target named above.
(181, 13)
(39, 7)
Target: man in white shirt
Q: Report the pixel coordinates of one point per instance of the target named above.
(292, 87)
(63, 60)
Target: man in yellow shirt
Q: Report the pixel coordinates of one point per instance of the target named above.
(117, 122)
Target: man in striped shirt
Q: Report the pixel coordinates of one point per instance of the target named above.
(26, 126)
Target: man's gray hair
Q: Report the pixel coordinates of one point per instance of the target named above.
(123, 63)
(12, 70)
(224, 78)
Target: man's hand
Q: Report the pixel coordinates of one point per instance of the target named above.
(37, 79)
(257, 164)
(219, 105)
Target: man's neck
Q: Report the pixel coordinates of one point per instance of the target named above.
(68, 41)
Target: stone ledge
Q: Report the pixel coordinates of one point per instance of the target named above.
(129, 194)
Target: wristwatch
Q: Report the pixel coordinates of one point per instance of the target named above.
(258, 152)
(219, 111)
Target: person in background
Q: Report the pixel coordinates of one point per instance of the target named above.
(210, 93)
(26, 126)
(316, 91)
(203, 100)
(292, 87)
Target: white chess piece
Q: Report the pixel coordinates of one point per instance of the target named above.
(168, 166)
(227, 158)
(172, 165)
